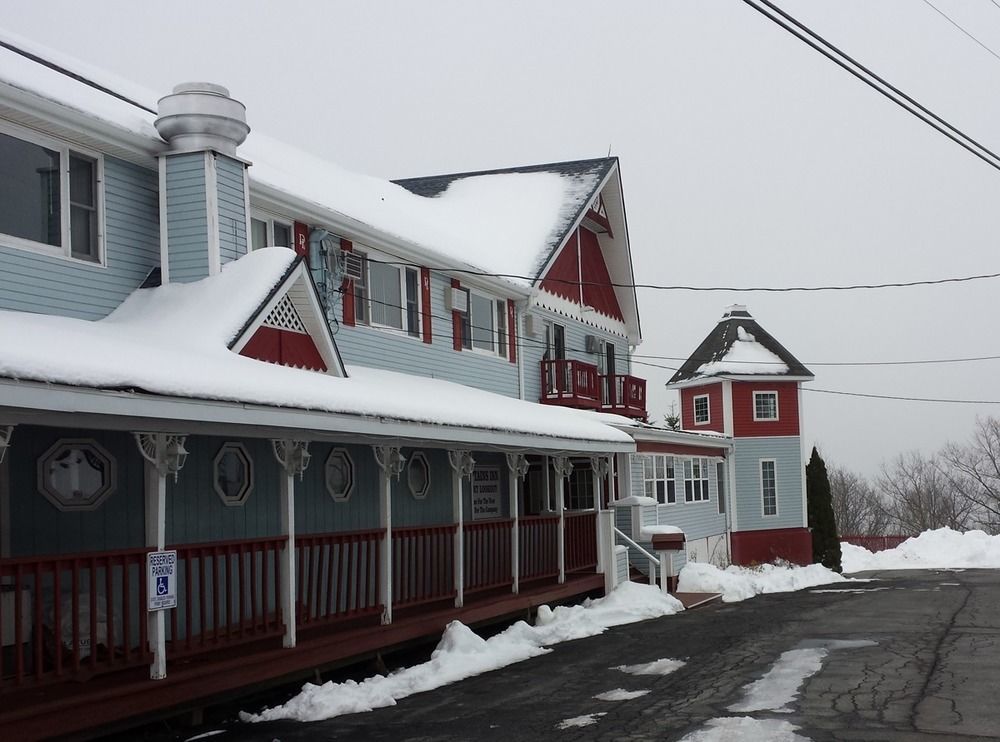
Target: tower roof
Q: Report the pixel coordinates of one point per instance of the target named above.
(739, 346)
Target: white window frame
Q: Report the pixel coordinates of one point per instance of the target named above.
(703, 492)
(269, 220)
(765, 419)
(653, 459)
(760, 479)
(708, 409)
(65, 149)
(240, 450)
(338, 452)
(365, 254)
(499, 350)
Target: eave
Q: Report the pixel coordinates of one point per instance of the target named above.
(705, 380)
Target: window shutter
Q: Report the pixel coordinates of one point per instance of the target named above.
(512, 331)
(456, 321)
(347, 289)
(425, 303)
(301, 238)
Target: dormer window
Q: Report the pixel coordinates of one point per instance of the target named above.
(50, 197)
(702, 415)
(765, 406)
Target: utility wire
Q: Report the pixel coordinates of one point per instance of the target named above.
(956, 25)
(929, 361)
(805, 34)
(900, 398)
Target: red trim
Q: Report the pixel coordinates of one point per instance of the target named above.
(301, 237)
(512, 331)
(347, 290)
(456, 321)
(679, 449)
(563, 278)
(757, 547)
(285, 348)
(425, 303)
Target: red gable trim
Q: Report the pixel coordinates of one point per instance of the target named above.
(563, 278)
(512, 330)
(284, 348)
(679, 449)
(581, 258)
(456, 321)
(425, 303)
(347, 290)
(301, 235)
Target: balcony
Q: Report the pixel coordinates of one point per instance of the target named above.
(572, 383)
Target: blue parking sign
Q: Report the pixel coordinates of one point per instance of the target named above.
(161, 577)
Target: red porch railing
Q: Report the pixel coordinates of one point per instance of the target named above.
(581, 541)
(538, 540)
(570, 383)
(624, 394)
(337, 575)
(63, 614)
(227, 591)
(487, 554)
(423, 564)
(875, 543)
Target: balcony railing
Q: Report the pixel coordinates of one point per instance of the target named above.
(624, 395)
(578, 384)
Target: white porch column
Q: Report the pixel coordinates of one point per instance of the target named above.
(294, 459)
(606, 518)
(462, 465)
(6, 433)
(390, 464)
(562, 466)
(517, 466)
(599, 467)
(164, 454)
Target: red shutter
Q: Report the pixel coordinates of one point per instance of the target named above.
(456, 321)
(512, 330)
(347, 289)
(301, 239)
(425, 302)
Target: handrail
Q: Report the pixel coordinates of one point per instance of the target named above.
(634, 545)
(654, 563)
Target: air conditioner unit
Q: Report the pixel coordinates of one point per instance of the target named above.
(354, 266)
(591, 343)
(456, 300)
(529, 325)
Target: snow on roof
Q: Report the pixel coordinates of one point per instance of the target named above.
(504, 222)
(173, 340)
(745, 356)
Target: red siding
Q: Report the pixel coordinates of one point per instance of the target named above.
(301, 239)
(679, 449)
(347, 289)
(285, 348)
(757, 547)
(425, 303)
(715, 417)
(787, 423)
(563, 278)
(456, 321)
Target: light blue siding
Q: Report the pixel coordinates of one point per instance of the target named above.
(696, 519)
(187, 217)
(232, 208)
(787, 455)
(32, 282)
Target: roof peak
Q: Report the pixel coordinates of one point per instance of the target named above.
(736, 311)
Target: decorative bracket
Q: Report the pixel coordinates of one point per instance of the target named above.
(562, 466)
(389, 460)
(518, 464)
(6, 431)
(293, 456)
(600, 465)
(462, 462)
(165, 451)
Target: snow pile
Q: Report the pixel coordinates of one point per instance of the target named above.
(942, 548)
(581, 721)
(461, 654)
(664, 666)
(620, 694)
(739, 583)
(745, 356)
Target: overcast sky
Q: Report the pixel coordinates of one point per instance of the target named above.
(747, 158)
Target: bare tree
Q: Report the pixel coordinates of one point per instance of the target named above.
(921, 497)
(858, 507)
(973, 470)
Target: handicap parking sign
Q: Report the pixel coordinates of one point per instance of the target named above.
(161, 576)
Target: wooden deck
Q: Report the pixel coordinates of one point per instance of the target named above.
(121, 699)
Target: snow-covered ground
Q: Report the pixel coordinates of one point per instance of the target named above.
(739, 583)
(942, 548)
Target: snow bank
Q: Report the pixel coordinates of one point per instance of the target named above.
(739, 583)
(461, 654)
(941, 548)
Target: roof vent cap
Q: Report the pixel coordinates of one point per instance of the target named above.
(202, 115)
(736, 310)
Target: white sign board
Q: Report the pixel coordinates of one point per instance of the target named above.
(486, 493)
(161, 580)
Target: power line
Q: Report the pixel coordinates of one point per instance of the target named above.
(874, 81)
(929, 361)
(901, 398)
(956, 25)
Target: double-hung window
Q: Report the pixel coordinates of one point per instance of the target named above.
(270, 233)
(658, 478)
(50, 197)
(765, 406)
(768, 487)
(387, 295)
(484, 325)
(702, 415)
(695, 480)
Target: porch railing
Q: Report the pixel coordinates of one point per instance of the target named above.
(624, 394)
(538, 541)
(337, 576)
(581, 541)
(572, 383)
(423, 564)
(64, 614)
(487, 554)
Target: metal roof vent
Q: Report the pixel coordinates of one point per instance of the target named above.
(201, 115)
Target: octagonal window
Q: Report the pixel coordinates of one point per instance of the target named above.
(76, 474)
(232, 474)
(339, 474)
(418, 476)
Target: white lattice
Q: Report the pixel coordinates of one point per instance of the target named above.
(284, 317)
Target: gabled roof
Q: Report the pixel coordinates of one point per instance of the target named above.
(739, 347)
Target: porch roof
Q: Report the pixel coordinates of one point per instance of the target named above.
(164, 356)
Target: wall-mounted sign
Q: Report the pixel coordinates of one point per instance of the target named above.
(161, 580)
(486, 492)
